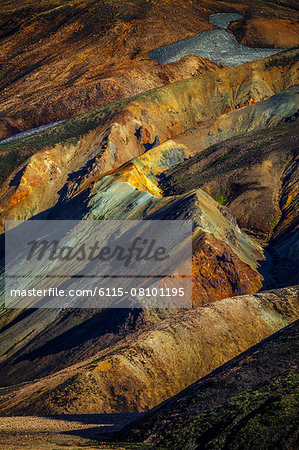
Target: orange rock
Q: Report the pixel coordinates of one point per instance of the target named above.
(277, 33)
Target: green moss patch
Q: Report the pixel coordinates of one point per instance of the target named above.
(263, 418)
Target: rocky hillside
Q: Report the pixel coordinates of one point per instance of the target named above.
(59, 60)
(250, 419)
(236, 406)
(104, 139)
(242, 168)
(156, 110)
(148, 367)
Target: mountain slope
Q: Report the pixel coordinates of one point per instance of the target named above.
(60, 59)
(248, 174)
(150, 366)
(219, 407)
(104, 139)
(266, 416)
(141, 140)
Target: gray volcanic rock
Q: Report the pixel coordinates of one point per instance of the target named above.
(222, 20)
(30, 132)
(217, 45)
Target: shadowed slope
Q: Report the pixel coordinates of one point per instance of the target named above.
(192, 418)
(266, 416)
(224, 264)
(248, 174)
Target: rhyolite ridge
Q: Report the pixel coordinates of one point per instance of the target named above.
(116, 163)
(144, 369)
